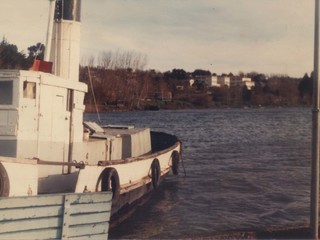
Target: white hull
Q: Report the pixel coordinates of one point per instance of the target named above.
(20, 177)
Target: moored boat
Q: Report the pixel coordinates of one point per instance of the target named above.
(47, 148)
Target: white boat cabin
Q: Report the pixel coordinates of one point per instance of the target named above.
(41, 117)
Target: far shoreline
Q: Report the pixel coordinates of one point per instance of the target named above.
(92, 109)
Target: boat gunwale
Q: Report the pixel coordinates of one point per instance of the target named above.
(81, 164)
(142, 157)
(18, 160)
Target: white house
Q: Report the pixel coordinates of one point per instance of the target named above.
(248, 82)
(224, 81)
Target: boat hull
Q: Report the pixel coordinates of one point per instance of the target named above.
(129, 202)
(129, 179)
(136, 175)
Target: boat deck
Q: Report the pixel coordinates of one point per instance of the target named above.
(123, 141)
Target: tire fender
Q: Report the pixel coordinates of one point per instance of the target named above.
(110, 181)
(4, 182)
(175, 162)
(155, 173)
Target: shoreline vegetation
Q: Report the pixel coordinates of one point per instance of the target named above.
(128, 90)
(117, 81)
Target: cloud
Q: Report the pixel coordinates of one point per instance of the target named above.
(239, 34)
(274, 36)
(24, 22)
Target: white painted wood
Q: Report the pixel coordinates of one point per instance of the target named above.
(44, 216)
(85, 208)
(29, 224)
(40, 201)
(85, 230)
(96, 217)
(33, 235)
(93, 236)
(65, 53)
(23, 178)
(29, 212)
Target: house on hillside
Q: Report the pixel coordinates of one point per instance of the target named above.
(242, 81)
(212, 80)
(248, 82)
(191, 82)
(206, 79)
(223, 81)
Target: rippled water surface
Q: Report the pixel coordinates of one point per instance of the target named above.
(246, 168)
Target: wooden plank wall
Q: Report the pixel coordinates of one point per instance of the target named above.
(56, 216)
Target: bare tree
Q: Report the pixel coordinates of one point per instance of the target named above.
(88, 61)
(122, 60)
(105, 60)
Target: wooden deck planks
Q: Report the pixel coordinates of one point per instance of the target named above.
(65, 216)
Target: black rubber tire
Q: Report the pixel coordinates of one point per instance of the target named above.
(4, 182)
(175, 162)
(155, 173)
(110, 181)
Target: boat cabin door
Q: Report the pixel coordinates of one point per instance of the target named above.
(54, 125)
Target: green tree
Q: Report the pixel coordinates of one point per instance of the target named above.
(179, 74)
(11, 58)
(200, 72)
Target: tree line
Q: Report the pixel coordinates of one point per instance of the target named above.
(11, 58)
(118, 80)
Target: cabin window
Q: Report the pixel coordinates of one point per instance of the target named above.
(29, 90)
(6, 92)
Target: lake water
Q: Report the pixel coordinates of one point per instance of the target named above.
(245, 168)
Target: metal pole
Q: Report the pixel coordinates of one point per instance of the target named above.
(49, 30)
(314, 208)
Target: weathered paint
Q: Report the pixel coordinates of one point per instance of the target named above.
(132, 173)
(23, 176)
(58, 216)
(37, 121)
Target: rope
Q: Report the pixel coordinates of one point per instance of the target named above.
(94, 96)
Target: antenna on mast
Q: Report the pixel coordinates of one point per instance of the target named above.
(314, 197)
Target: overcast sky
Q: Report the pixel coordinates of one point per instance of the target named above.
(267, 36)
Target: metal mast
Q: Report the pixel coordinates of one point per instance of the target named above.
(314, 208)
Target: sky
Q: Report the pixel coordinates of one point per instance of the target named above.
(222, 36)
